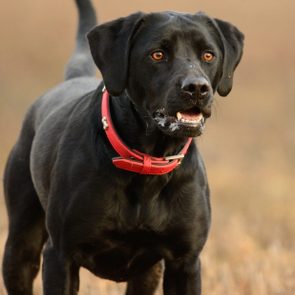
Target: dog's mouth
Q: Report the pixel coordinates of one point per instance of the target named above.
(192, 117)
(189, 122)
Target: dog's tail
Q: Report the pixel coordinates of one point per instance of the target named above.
(81, 63)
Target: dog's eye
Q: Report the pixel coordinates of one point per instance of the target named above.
(158, 55)
(208, 56)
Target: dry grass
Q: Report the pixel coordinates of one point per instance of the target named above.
(248, 145)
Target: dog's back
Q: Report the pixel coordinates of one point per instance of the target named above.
(27, 232)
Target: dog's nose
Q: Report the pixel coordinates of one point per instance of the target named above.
(196, 87)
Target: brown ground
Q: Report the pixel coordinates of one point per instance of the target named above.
(248, 146)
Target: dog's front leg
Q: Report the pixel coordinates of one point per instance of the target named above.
(182, 277)
(60, 276)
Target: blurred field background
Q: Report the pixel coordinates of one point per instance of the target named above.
(248, 146)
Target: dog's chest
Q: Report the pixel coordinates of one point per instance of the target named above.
(119, 256)
(134, 232)
(143, 205)
(127, 247)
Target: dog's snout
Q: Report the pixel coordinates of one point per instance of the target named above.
(196, 87)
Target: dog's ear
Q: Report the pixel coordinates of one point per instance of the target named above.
(233, 41)
(109, 46)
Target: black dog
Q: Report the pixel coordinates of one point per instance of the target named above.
(65, 186)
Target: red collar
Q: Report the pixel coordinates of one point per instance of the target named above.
(133, 160)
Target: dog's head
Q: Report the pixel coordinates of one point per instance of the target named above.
(170, 64)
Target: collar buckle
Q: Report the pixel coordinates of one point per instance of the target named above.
(174, 157)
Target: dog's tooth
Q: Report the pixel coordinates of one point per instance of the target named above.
(200, 118)
(178, 116)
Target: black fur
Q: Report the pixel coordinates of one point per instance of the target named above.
(62, 189)
(81, 64)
